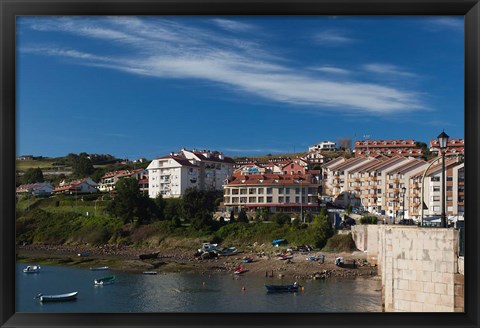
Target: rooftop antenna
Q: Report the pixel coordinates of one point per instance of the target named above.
(367, 137)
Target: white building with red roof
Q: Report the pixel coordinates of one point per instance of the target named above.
(109, 179)
(171, 175)
(82, 186)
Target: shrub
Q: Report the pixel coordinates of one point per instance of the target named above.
(368, 220)
(340, 243)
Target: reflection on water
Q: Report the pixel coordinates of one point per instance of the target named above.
(187, 292)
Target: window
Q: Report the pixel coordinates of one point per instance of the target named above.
(436, 189)
(435, 179)
(449, 178)
(269, 191)
(436, 198)
(297, 199)
(449, 188)
(280, 191)
(287, 200)
(260, 199)
(251, 199)
(260, 190)
(269, 199)
(287, 190)
(280, 200)
(297, 190)
(436, 208)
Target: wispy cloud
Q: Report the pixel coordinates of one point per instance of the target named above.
(162, 48)
(387, 69)
(332, 70)
(233, 26)
(442, 23)
(333, 38)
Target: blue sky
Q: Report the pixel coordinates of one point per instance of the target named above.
(145, 86)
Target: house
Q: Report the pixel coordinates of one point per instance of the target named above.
(109, 179)
(82, 186)
(324, 145)
(35, 189)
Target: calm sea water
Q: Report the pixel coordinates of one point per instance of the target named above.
(189, 292)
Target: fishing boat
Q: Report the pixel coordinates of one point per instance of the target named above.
(248, 260)
(150, 272)
(83, 254)
(32, 269)
(99, 268)
(148, 256)
(283, 288)
(105, 280)
(240, 270)
(227, 251)
(312, 258)
(57, 298)
(285, 257)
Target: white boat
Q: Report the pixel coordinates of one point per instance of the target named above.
(99, 268)
(57, 298)
(32, 269)
(150, 272)
(105, 280)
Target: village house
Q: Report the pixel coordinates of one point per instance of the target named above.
(35, 189)
(83, 186)
(109, 179)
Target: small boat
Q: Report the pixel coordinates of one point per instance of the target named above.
(285, 257)
(240, 270)
(105, 280)
(283, 288)
(57, 298)
(339, 261)
(150, 272)
(148, 256)
(312, 258)
(248, 260)
(32, 269)
(83, 254)
(227, 251)
(99, 268)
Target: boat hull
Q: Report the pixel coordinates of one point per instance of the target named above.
(59, 298)
(282, 288)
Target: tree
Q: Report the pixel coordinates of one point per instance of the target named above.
(32, 176)
(130, 205)
(81, 165)
(344, 143)
(321, 229)
(198, 206)
(242, 216)
(281, 218)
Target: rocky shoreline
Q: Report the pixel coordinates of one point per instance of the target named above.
(265, 261)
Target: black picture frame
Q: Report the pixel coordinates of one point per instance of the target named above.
(470, 9)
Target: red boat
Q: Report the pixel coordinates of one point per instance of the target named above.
(240, 270)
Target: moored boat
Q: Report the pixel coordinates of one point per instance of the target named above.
(283, 288)
(285, 257)
(32, 269)
(150, 272)
(248, 260)
(57, 298)
(148, 256)
(99, 268)
(240, 270)
(105, 280)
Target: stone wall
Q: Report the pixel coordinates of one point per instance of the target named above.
(419, 267)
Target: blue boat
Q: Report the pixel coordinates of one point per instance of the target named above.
(278, 242)
(283, 288)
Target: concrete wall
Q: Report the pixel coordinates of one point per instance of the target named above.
(419, 267)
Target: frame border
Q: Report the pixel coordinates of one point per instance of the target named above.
(9, 9)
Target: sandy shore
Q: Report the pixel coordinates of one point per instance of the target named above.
(266, 261)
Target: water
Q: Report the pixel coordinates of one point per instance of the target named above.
(186, 292)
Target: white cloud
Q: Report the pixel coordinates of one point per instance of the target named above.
(332, 38)
(387, 69)
(165, 49)
(332, 69)
(233, 26)
(447, 22)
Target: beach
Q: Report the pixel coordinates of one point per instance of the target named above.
(266, 261)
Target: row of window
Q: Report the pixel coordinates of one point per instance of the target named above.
(268, 191)
(260, 200)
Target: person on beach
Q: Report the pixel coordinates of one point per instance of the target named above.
(323, 258)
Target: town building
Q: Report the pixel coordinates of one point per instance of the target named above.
(407, 148)
(274, 192)
(324, 145)
(455, 146)
(82, 186)
(109, 179)
(35, 189)
(170, 176)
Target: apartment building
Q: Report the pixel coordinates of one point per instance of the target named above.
(405, 148)
(454, 146)
(275, 192)
(171, 175)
